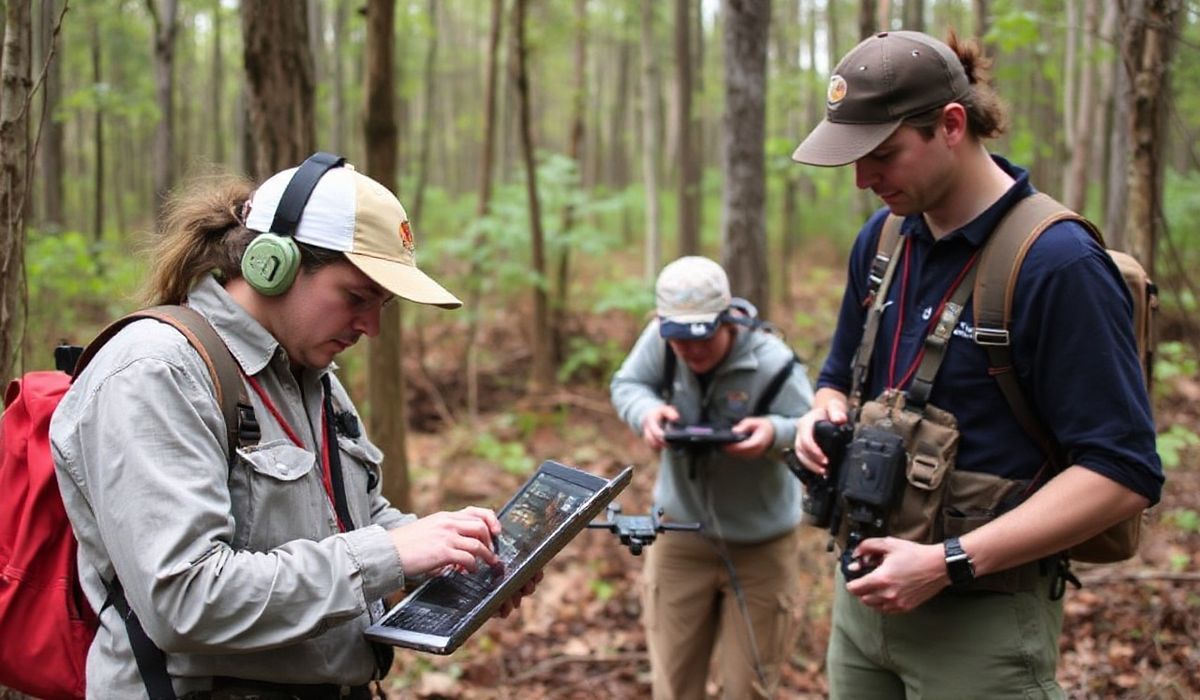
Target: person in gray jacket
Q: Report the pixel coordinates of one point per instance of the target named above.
(253, 576)
(704, 362)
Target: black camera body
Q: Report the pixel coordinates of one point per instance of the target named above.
(873, 476)
(820, 492)
(864, 479)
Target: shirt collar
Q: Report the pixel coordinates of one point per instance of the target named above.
(976, 231)
(251, 344)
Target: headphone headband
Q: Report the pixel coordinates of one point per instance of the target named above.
(299, 189)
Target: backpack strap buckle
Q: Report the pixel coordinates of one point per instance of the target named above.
(991, 336)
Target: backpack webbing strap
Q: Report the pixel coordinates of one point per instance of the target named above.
(666, 387)
(223, 369)
(999, 266)
(883, 267)
(772, 389)
(935, 344)
(151, 661)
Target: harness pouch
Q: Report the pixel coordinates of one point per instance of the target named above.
(931, 444)
(975, 498)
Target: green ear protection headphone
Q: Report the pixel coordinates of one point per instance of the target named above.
(272, 259)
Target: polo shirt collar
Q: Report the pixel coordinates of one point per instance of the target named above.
(976, 231)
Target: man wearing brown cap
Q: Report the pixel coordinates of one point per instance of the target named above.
(961, 599)
(253, 561)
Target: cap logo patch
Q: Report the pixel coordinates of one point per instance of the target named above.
(406, 237)
(699, 329)
(837, 90)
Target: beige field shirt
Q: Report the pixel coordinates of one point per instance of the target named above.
(236, 571)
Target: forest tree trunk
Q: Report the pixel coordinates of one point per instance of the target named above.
(744, 245)
(542, 372)
(280, 92)
(689, 169)
(15, 85)
(166, 25)
(650, 146)
(386, 391)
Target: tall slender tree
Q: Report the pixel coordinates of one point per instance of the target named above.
(164, 15)
(50, 154)
(15, 89)
(483, 206)
(689, 168)
(542, 372)
(431, 52)
(575, 153)
(1148, 50)
(743, 201)
(385, 358)
(650, 145)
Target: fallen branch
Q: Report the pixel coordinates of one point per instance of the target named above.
(1124, 576)
(556, 661)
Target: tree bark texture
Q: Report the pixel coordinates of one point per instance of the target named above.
(743, 162)
(1148, 50)
(15, 85)
(281, 89)
(574, 152)
(867, 19)
(1075, 183)
(430, 113)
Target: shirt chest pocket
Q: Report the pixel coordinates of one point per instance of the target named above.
(361, 474)
(277, 493)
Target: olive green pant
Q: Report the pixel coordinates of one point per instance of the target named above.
(692, 614)
(954, 646)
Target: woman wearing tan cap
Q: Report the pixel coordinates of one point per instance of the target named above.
(255, 575)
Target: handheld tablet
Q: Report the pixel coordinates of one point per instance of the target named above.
(544, 515)
(700, 434)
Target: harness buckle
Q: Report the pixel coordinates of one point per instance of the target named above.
(991, 336)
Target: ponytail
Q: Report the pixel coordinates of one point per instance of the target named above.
(202, 232)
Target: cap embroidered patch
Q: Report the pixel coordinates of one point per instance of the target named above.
(406, 237)
(836, 92)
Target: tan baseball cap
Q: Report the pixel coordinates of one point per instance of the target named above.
(351, 213)
(886, 79)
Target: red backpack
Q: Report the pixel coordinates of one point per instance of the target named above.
(46, 624)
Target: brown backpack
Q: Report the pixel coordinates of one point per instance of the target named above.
(992, 296)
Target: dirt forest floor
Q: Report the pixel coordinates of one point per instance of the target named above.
(1131, 632)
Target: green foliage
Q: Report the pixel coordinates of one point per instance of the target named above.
(508, 455)
(602, 589)
(1184, 519)
(1173, 359)
(78, 285)
(597, 360)
(1173, 443)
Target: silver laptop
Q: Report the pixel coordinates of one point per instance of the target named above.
(544, 515)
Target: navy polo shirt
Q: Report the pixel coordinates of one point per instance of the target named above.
(1072, 343)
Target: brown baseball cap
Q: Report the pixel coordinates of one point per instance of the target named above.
(886, 79)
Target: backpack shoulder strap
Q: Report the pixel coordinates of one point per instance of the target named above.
(773, 387)
(226, 374)
(995, 285)
(887, 253)
(666, 386)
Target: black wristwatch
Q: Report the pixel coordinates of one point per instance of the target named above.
(958, 563)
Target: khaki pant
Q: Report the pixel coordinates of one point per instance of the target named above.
(692, 615)
(964, 645)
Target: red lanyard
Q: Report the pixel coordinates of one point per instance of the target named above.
(937, 313)
(326, 471)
